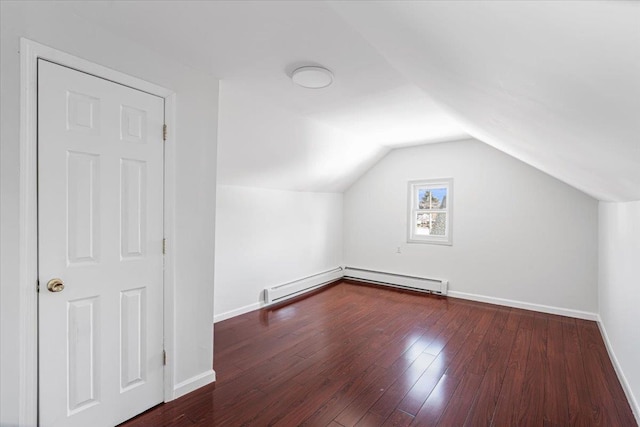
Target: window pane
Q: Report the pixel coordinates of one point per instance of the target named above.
(423, 198)
(434, 198)
(438, 198)
(431, 224)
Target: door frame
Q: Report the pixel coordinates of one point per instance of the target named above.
(30, 52)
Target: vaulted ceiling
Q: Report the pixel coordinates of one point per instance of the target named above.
(555, 84)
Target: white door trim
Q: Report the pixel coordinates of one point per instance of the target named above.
(30, 52)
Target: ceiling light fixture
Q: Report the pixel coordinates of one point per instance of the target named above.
(312, 77)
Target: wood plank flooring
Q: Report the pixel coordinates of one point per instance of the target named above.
(357, 355)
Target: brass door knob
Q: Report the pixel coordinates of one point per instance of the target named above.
(55, 285)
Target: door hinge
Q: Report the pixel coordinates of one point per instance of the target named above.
(38, 286)
(164, 357)
(164, 132)
(164, 246)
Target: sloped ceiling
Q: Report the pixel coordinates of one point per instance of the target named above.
(273, 133)
(555, 84)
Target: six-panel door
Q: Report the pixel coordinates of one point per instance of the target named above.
(100, 230)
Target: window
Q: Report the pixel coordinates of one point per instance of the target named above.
(430, 211)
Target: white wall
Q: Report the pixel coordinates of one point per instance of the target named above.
(268, 237)
(518, 233)
(55, 25)
(619, 289)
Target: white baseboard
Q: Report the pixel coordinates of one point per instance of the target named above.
(633, 402)
(526, 305)
(295, 288)
(454, 294)
(402, 281)
(194, 383)
(237, 312)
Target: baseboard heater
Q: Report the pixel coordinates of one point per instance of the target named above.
(298, 287)
(436, 286)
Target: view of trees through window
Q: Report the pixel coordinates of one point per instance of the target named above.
(434, 198)
(430, 211)
(431, 222)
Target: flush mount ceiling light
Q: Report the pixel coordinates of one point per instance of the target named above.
(312, 77)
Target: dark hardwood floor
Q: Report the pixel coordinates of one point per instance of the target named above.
(356, 355)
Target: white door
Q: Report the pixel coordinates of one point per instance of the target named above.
(100, 231)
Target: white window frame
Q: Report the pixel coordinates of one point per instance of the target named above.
(413, 210)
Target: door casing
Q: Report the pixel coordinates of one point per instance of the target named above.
(30, 52)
